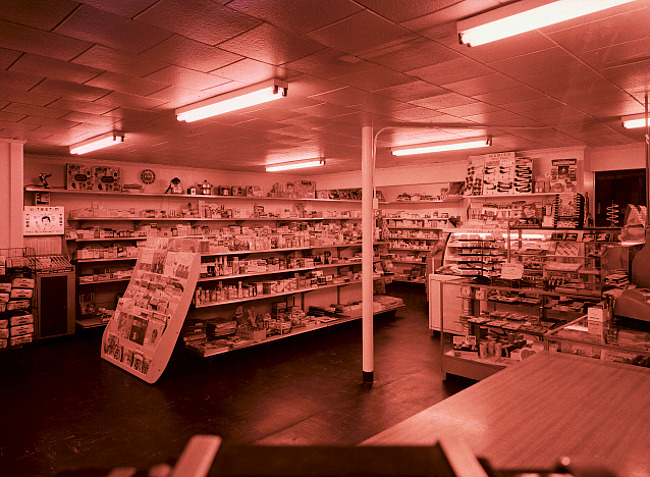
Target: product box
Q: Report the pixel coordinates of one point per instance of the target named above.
(599, 313)
(21, 329)
(107, 179)
(21, 340)
(22, 292)
(78, 177)
(23, 283)
(4, 333)
(252, 334)
(4, 324)
(5, 287)
(22, 320)
(18, 305)
(4, 343)
(4, 297)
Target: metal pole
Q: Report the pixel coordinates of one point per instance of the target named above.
(647, 164)
(367, 252)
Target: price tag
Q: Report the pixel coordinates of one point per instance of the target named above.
(512, 271)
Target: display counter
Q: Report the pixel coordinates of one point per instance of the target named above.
(548, 406)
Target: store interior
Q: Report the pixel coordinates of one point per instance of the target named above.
(285, 270)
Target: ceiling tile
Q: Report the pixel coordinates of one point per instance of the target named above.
(16, 80)
(176, 96)
(411, 55)
(7, 57)
(518, 45)
(328, 64)
(442, 101)
(507, 96)
(494, 118)
(532, 105)
(617, 55)
(557, 115)
(374, 78)
(110, 30)
(186, 78)
(402, 11)
(249, 71)
(271, 45)
(192, 54)
(544, 60)
(41, 14)
(482, 84)
(78, 117)
(411, 91)
(35, 110)
(378, 33)
(95, 107)
(451, 71)
(452, 12)
(471, 109)
(345, 96)
(324, 110)
(203, 21)
(112, 60)
(416, 114)
(45, 121)
(9, 116)
(562, 81)
(131, 101)
(126, 8)
(297, 16)
(633, 77)
(9, 127)
(54, 69)
(31, 40)
(126, 84)
(608, 31)
(27, 97)
(70, 90)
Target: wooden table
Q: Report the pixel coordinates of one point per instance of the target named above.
(548, 406)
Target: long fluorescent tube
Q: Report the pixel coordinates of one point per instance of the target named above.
(442, 146)
(525, 15)
(99, 142)
(634, 121)
(242, 98)
(285, 166)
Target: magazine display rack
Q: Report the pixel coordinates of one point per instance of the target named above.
(141, 335)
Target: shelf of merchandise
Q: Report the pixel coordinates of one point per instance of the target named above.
(448, 200)
(411, 227)
(412, 238)
(290, 249)
(100, 260)
(293, 332)
(511, 196)
(106, 239)
(185, 196)
(103, 282)
(205, 219)
(275, 295)
(283, 270)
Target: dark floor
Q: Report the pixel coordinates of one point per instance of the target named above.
(64, 408)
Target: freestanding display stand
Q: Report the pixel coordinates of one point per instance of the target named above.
(142, 334)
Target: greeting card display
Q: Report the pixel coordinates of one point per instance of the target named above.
(145, 326)
(107, 179)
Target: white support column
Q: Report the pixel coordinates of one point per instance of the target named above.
(11, 193)
(367, 250)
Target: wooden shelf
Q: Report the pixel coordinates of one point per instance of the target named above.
(293, 332)
(112, 239)
(98, 260)
(275, 295)
(186, 196)
(205, 219)
(100, 282)
(87, 323)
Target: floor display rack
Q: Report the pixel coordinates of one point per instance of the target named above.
(17, 328)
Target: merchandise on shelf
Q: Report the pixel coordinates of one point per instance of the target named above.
(16, 293)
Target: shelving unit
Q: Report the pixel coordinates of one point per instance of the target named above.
(475, 253)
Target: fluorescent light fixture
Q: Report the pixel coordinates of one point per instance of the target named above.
(634, 121)
(442, 146)
(242, 98)
(99, 142)
(525, 15)
(285, 166)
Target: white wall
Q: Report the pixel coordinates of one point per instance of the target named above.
(618, 158)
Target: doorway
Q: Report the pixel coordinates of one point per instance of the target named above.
(620, 188)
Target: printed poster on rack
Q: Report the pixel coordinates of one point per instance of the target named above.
(143, 331)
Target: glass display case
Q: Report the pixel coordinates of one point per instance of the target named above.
(612, 341)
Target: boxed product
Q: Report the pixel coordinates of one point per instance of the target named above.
(18, 305)
(107, 179)
(3, 343)
(4, 324)
(4, 333)
(474, 176)
(21, 329)
(22, 292)
(78, 177)
(23, 283)
(22, 319)
(5, 287)
(21, 340)
(4, 297)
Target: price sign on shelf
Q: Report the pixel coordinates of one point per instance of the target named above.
(512, 271)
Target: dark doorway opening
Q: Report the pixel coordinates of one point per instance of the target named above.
(620, 188)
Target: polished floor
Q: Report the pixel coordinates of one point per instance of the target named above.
(63, 408)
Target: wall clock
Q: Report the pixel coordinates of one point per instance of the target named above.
(147, 176)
